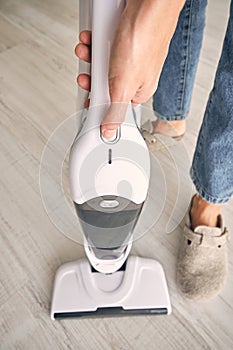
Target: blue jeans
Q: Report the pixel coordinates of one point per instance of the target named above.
(212, 166)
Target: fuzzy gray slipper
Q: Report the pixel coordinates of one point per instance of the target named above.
(202, 261)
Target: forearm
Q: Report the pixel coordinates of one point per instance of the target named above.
(143, 36)
(173, 7)
(155, 13)
(139, 50)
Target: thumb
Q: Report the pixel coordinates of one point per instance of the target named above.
(116, 112)
(113, 118)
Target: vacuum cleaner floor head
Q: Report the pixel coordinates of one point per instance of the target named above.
(138, 288)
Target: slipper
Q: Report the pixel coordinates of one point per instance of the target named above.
(156, 140)
(202, 261)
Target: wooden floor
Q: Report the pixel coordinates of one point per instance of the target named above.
(37, 92)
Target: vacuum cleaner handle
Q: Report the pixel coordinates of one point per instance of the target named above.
(97, 166)
(105, 18)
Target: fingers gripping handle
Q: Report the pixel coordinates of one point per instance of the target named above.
(85, 10)
(105, 18)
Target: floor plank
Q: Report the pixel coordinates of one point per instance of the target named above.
(37, 93)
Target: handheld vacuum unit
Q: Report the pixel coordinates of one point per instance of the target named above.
(109, 182)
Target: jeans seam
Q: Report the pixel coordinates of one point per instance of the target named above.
(170, 118)
(202, 192)
(199, 144)
(184, 80)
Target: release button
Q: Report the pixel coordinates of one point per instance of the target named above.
(109, 203)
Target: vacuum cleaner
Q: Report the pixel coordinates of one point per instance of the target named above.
(109, 180)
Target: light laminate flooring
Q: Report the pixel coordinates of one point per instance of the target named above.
(37, 93)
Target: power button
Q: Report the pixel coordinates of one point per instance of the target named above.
(113, 139)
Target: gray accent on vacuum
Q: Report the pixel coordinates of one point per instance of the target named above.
(108, 227)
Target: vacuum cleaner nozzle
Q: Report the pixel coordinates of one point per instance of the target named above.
(139, 288)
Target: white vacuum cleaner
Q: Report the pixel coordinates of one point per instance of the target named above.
(109, 183)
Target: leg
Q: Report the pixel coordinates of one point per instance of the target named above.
(202, 262)
(171, 101)
(212, 167)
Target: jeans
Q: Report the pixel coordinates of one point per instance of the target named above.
(212, 166)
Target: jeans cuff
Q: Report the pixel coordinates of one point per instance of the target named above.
(202, 192)
(170, 118)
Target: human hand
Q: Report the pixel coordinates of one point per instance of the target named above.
(137, 55)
